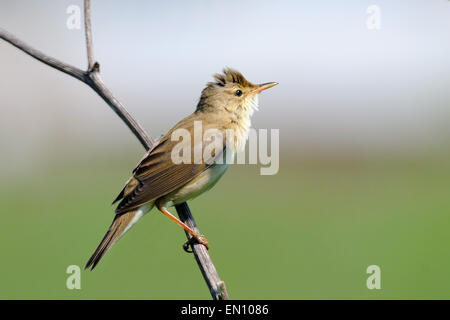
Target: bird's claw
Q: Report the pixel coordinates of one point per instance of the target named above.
(186, 246)
(195, 238)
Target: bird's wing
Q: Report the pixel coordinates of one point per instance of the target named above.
(156, 175)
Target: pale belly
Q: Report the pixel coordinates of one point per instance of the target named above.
(200, 184)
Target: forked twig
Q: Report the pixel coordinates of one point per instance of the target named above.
(92, 78)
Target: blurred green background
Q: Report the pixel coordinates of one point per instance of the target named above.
(364, 124)
(309, 232)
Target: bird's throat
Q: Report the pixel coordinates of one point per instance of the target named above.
(241, 121)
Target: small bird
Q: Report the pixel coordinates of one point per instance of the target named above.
(157, 181)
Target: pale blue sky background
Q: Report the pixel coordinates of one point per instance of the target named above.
(342, 87)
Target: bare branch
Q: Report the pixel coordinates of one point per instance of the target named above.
(88, 32)
(95, 82)
(52, 62)
(209, 272)
(92, 78)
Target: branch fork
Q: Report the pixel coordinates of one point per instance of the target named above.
(95, 68)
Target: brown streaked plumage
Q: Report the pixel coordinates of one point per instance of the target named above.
(156, 175)
(157, 181)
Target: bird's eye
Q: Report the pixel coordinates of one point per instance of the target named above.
(238, 93)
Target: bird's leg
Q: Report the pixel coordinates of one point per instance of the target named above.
(195, 235)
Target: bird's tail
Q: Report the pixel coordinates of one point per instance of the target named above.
(120, 225)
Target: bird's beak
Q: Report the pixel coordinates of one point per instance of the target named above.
(262, 87)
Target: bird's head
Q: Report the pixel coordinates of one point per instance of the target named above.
(232, 93)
